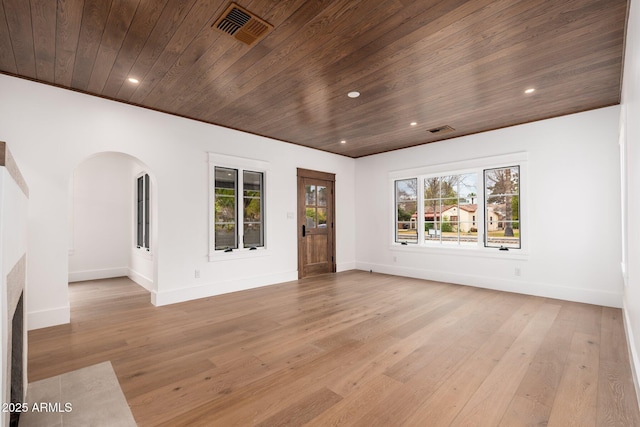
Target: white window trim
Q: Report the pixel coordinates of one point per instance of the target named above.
(239, 163)
(477, 165)
(141, 250)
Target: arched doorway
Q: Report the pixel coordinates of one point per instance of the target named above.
(105, 203)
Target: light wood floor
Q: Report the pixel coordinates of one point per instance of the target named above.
(352, 348)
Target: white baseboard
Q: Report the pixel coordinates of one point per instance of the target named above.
(50, 317)
(633, 354)
(172, 296)
(140, 279)
(608, 299)
(345, 266)
(106, 273)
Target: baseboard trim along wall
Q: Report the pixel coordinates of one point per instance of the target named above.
(608, 299)
(107, 273)
(172, 296)
(141, 280)
(633, 355)
(46, 318)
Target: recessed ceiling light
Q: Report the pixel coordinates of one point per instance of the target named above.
(414, 123)
(343, 142)
(133, 80)
(353, 94)
(530, 90)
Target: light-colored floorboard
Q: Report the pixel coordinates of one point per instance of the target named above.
(351, 348)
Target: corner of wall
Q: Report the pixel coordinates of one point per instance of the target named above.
(633, 355)
(46, 318)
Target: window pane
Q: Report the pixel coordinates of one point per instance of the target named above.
(449, 206)
(253, 206)
(406, 210)
(311, 218)
(322, 196)
(502, 207)
(147, 222)
(225, 236)
(225, 208)
(140, 213)
(322, 217)
(253, 236)
(310, 194)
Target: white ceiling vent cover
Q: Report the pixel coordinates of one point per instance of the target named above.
(243, 25)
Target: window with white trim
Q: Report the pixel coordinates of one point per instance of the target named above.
(471, 207)
(237, 204)
(143, 220)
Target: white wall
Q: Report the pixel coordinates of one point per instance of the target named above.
(572, 161)
(101, 217)
(53, 130)
(630, 145)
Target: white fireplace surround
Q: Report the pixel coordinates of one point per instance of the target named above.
(13, 243)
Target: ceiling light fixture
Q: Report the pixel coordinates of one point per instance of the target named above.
(353, 94)
(530, 90)
(414, 123)
(133, 80)
(343, 142)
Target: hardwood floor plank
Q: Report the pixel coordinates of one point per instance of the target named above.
(576, 399)
(488, 404)
(351, 348)
(616, 399)
(534, 398)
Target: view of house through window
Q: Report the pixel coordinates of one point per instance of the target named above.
(450, 203)
(448, 210)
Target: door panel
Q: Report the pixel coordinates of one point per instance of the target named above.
(316, 231)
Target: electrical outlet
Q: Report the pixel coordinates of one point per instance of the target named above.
(395, 259)
(517, 271)
(197, 274)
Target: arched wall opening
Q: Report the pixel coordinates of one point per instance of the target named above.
(103, 221)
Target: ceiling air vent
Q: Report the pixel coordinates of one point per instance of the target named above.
(441, 130)
(242, 24)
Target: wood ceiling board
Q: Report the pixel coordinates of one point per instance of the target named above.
(450, 62)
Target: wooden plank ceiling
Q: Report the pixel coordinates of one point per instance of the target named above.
(460, 63)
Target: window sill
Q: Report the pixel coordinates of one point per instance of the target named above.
(476, 252)
(238, 254)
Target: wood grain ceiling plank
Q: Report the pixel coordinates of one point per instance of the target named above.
(326, 32)
(18, 18)
(351, 76)
(94, 20)
(342, 42)
(7, 60)
(412, 82)
(144, 20)
(43, 15)
(68, 21)
(194, 23)
(214, 76)
(116, 28)
(172, 17)
(226, 52)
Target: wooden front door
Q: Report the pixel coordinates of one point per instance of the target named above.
(316, 231)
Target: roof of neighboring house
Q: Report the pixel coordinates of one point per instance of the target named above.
(471, 208)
